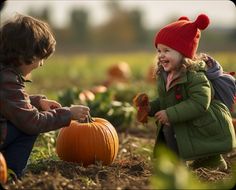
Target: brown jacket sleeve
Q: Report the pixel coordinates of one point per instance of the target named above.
(16, 107)
(34, 99)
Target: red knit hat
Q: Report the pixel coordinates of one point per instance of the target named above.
(183, 35)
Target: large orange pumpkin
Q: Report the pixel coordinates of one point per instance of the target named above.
(89, 142)
(3, 170)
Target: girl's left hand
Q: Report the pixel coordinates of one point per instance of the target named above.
(162, 117)
(49, 104)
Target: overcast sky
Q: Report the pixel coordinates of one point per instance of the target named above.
(155, 12)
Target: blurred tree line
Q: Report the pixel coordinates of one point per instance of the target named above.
(123, 31)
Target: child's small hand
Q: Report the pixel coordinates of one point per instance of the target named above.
(79, 112)
(49, 104)
(162, 117)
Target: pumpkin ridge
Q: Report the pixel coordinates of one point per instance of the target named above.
(77, 142)
(84, 151)
(77, 139)
(104, 149)
(114, 140)
(94, 128)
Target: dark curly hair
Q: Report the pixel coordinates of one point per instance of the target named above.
(24, 39)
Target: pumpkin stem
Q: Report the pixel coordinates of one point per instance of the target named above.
(90, 119)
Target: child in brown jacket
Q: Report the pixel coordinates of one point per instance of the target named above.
(25, 43)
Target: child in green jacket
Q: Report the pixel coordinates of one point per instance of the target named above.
(192, 123)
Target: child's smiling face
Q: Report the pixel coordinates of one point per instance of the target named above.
(169, 58)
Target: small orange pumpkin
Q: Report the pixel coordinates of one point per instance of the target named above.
(89, 142)
(3, 170)
(99, 89)
(119, 72)
(86, 95)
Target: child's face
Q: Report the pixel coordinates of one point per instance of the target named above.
(26, 69)
(169, 58)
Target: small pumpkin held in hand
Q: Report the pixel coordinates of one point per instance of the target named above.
(3, 170)
(86, 143)
(141, 101)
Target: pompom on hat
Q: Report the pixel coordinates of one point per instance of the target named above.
(183, 35)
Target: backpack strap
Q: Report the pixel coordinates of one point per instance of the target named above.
(223, 83)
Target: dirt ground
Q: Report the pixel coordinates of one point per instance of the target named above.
(132, 169)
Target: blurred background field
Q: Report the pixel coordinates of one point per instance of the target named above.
(108, 26)
(94, 35)
(80, 68)
(87, 70)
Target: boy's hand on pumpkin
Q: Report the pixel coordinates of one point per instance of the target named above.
(162, 117)
(80, 112)
(49, 104)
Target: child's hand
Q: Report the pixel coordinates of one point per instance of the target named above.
(49, 104)
(80, 112)
(162, 117)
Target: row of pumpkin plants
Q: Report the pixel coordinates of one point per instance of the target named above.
(103, 102)
(111, 100)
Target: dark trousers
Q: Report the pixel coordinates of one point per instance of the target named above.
(166, 137)
(16, 148)
(170, 139)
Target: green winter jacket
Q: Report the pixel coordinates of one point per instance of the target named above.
(202, 125)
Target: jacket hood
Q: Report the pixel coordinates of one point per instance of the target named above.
(199, 66)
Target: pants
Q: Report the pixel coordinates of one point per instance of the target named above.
(16, 148)
(3, 129)
(166, 136)
(170, 139)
